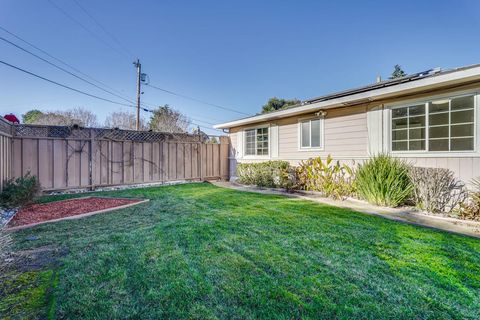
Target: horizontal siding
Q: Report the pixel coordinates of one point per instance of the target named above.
(464, 169)
(345, 135)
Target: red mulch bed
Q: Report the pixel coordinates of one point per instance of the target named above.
(66, 208)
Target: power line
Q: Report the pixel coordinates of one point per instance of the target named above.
(93, 34)
(111, 35)
(59, 60)
(195, 99)
(63, 69)
(62, 85)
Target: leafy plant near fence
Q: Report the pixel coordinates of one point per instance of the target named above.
(329, 177)
(436, 189)
(384, 181)
(20, 191)
(471, 209)
(269, 174)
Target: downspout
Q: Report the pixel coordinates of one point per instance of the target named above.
(383, 130)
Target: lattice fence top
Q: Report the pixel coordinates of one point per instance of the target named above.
(75, 132)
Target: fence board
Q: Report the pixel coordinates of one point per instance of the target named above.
(172, 162)
(127, 162)
(59, 168)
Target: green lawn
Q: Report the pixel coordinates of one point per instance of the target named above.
(197, 251)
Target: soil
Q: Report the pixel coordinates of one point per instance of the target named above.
(66, 208)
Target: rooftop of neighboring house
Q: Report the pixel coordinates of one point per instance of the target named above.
(428, 80)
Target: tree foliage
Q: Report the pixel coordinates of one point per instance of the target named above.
(398, 72)
(275, 104)
(166, 119)
(123, 120)
(78, 116)
(31, 116)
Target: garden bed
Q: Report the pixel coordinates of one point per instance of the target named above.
(67, 209)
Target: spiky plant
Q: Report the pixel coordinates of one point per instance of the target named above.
(383, 180)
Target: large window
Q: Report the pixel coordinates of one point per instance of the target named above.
(311, 133)
(256, 142)
(439, 125)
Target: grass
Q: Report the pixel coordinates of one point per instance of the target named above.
(197, 251)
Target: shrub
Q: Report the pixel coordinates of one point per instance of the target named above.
(330, 177)
(383, 180)
(20, 191)
(269, 174)
(436, 189)
(471, 209)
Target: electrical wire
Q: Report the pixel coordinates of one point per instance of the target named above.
(195, 99)
(63, 85)
(93, 34)
(64, 70)
(59, 60)
(111, 35)
(85, 93)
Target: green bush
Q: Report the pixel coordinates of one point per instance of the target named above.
(330, 177)
(20, 191)
(384, 181)
(271, 174)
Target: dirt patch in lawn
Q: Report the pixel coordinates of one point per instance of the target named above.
(38, 213)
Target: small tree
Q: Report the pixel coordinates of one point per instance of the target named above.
(166, 119)
(275, 104)
(397, 72)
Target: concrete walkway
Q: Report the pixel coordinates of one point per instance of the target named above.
(407, 215)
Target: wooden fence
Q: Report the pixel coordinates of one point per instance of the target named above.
(71, 162)
(5, 152)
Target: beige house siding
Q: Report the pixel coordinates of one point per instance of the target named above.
(345, 135)
(352, 134)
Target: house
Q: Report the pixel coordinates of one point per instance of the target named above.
(431, 119)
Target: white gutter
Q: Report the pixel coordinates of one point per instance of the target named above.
(448, 78)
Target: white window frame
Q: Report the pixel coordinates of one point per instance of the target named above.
(322, 134)
(426, 101)
(256, 156)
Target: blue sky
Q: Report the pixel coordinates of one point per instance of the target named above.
(236, 54)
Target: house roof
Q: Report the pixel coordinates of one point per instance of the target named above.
(410, 84)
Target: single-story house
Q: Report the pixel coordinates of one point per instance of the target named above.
(431, 118)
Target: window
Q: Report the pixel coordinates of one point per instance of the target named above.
(311, 134)
(439, 125)
(256, 142)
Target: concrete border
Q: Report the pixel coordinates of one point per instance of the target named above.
(406, 214)
(78, 216)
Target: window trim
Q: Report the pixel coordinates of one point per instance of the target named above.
(256, 156)
(426, 101)
(322, 133)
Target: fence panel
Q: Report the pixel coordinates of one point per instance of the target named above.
(5, 152)
(81, 162)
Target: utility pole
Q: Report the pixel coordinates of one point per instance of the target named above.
(139, 74)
